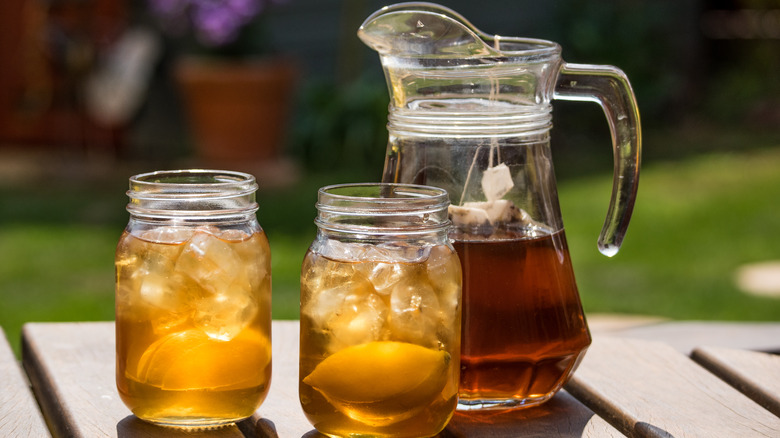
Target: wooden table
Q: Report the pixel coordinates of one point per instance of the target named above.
(691, 379)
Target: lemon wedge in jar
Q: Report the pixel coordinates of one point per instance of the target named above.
(190, 359)
(380, 383)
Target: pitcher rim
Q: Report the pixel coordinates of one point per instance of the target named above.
(532, 47)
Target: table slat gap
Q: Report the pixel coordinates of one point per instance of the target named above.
(755, 374)
(647, 388)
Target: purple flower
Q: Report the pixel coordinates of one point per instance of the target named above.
(214, 22)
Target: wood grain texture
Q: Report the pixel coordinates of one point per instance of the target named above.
(71, 368)
(684, 336)
(19, 413)
(630, 387)
(755, 374)
(649, 389)
(281, 414)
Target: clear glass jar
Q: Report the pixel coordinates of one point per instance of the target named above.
(380, 313)
(193, 299)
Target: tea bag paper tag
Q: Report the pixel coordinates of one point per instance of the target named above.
(497, 182)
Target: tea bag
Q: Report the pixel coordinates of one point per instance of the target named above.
(489, 213)
(497, 182)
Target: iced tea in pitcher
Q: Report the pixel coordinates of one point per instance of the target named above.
(471, 113)
(193, 291)
(380, 314)
(524, 330)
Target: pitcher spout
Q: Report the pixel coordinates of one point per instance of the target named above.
(423, 30)
(431, 52)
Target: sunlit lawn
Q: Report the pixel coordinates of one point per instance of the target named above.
(696, 221)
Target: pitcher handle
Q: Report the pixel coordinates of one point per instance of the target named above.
(609, 87)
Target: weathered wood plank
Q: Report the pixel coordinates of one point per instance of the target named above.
(562, 416)
(19, 413)
(649, 389)
(755, 374)
(684, 336)
(614, 322)
(71, 368)
(281, 411)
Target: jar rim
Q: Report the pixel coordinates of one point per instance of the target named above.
(381, 196)
(192, 192)
(382, 208)
(196, 183)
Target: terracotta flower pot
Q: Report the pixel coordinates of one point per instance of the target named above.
(238, 110)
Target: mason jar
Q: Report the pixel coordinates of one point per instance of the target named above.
(380, 313)
(193, 299)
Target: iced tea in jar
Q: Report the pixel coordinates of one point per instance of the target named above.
(193, 299)
(380, 313)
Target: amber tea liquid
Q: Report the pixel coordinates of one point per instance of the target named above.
(523, 330)
(377, 343)
(193, 326)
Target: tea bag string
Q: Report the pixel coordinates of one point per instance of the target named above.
(468, 175)
(492, 97)
(494, 85)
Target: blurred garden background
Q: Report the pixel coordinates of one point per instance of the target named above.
(91, 93)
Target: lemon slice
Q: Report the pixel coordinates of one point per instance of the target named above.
(380, 383)
(190, 359)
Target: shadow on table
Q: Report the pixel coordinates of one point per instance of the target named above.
(132, 427)
(563, 415)
(257, 426)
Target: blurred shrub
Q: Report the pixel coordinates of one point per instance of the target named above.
(746, 89)
(656, 43)
(341, 126)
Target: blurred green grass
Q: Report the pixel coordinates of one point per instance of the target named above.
(696, 221)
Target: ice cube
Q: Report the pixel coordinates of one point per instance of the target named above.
(328, 291)
(170, 235)
(255, 256)
(497, 182)
(444, 275)
(361, 319)
(165, 300)
(414, 312)
(156, 290)
(232, 235)
(382, 275)
(323, 304)
(211, 262)
(343, 251)
(152, 279)
(224, 315)
(403, 252)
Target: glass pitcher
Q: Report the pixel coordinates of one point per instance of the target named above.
(471, 113)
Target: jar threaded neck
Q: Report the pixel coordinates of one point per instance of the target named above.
(382, 208)
(196, 193)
